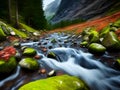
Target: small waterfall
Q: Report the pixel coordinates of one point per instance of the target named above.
(85, 66)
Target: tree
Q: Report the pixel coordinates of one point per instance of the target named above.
(9, 10)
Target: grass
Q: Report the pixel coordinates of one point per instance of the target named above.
(29, 29)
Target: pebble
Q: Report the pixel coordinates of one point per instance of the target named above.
(37, 57)
(42, 71)
(52, 73)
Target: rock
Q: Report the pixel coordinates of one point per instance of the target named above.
(6, 31)
(37, 57)
(17, 44)
(8, 66)
(84, 44)
(90, 34)
(29, 52)
(29, 63)
(42, 71)
(52, 73)
(18, 56)
(53, 40)
(63, 82)
(23, 48)
(94, 37)
(117, 64)
(111, 41)
(36, 33)
(104, 31)
(51, 55)
(96, 48)
(2, 35)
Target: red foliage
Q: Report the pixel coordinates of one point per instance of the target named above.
(7, 52)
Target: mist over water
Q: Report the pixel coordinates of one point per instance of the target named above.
(85, 66)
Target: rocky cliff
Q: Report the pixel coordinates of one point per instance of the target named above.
(85, 9)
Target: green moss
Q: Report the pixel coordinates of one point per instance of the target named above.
(96, 48)
(8, 66)
(29, 63)
(29, 52)
(19, 33)
(63, 82)
(27, 28)
(94, 36)
(2, 35)
(117, 64)
(111, 41)
(51, 55)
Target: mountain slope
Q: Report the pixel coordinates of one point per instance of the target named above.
(51, 9)
(85, 9)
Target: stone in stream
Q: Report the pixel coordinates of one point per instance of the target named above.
(51, 73)
(29, 52)
(84, 44)
(53, 40)
(117, 64)
(63, 82)
(7, 66)
(51, 55)
(96, 48)
(17, 44)
(90, 34)
(29, 63)
(111, 41)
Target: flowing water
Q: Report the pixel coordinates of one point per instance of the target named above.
(97, 71)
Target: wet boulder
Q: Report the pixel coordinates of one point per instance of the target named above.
(63, 82)
(7, 66)
(94, 36)
(29, 52)
(51, 55)
(84, 44)
(90, 34)
(111, 41)
(96, 48)
(29, 63)
(117, 64)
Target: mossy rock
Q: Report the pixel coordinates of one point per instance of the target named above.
(29, 63)
(94, 37)
(51, 55)
(111, 41)
(8, 66)
(84, 44)
(117, 23)
(117, 64)
(64, 82)
(96, 48)
(29, 52)
(53, 40)
(90, 34)
(2, 35)
(104, 31)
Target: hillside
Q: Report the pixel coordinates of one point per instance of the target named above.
(84, 9)
(98, 23)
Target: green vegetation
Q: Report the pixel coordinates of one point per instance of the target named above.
(99, 42)
(29, 63)
(64, 82)
(7, 67)
(64, 23)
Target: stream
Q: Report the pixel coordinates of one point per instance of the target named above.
(97, 71)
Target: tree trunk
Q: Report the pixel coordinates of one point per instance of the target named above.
(9, 10)
(16, 14)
